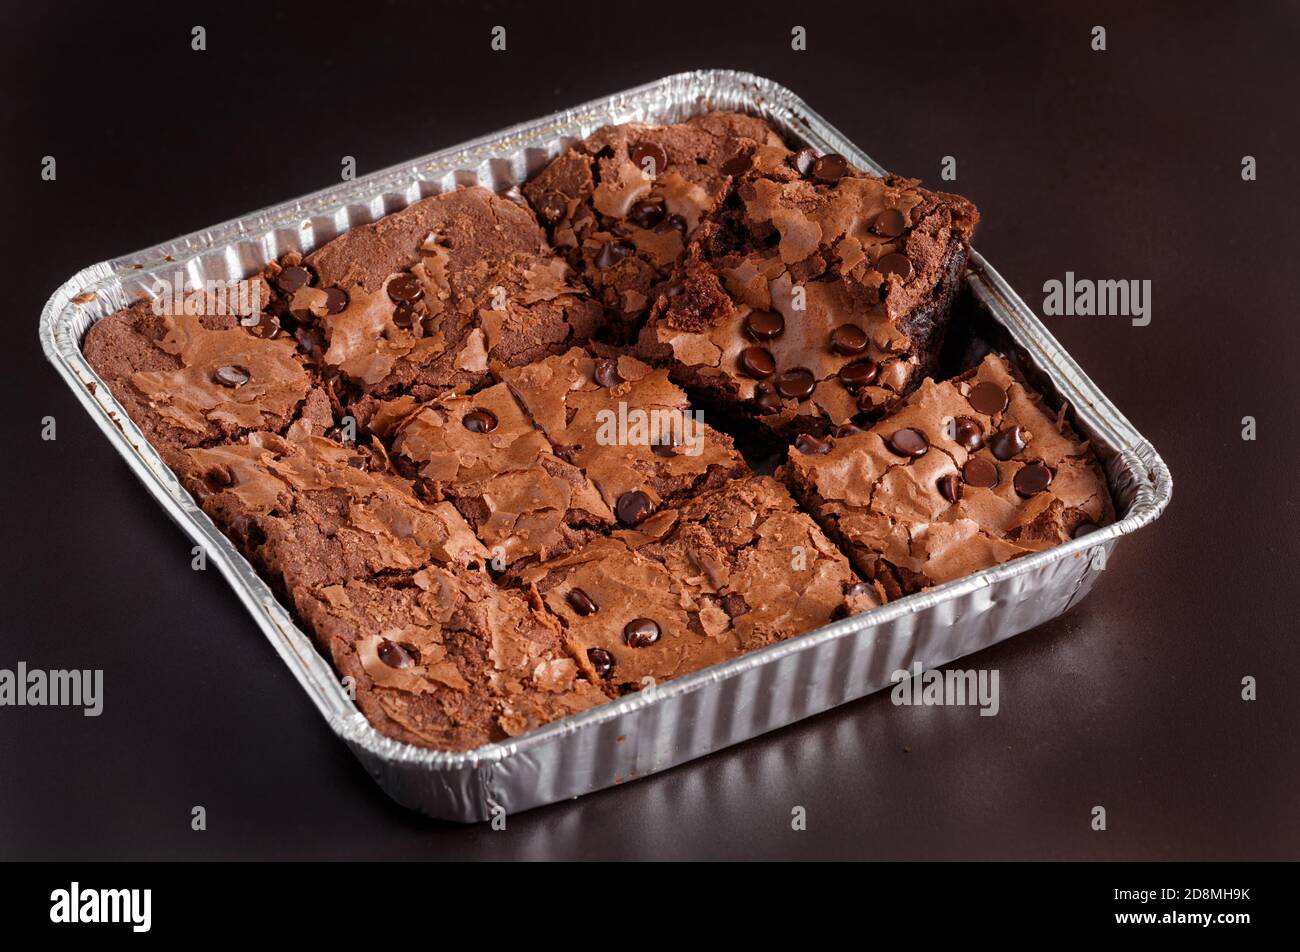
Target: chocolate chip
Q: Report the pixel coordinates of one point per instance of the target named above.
(738, 165)
(602, 661)
(858, 374)
(405, 316)
(847, 429)
(397, 655)
(909, 442)
(980, 472)
(848, 339)
(895, 263)
(670, 223)
(221, 476)
(867, 401)
(764, 325)
(666, 450)
(830, 168)
(266, 327)
(766, 398)
(336, 300)
(640, 633)
(231, 376)
(967, 434)
(647, 213)
(1007, 443)
(811, 445)
(479, 421)
(1031, 479)
(552, 207)
(950, 487)
(757, 362)
(803, 161)
(581, 602)
(890, 223)
(612, 252)
(988, 398)
(654, 153)
(1083, 529)
(405, 287)
(633, 507)
(292, 278)
(797, 383)
(606, 373)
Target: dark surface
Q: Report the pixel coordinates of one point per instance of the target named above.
(1122, 164)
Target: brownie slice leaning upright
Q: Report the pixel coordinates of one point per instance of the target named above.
(816, 296)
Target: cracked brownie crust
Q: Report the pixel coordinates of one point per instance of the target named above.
(464, 443)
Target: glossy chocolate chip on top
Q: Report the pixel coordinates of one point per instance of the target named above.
(811, 445)
(830, 168)
(859, 374)
(803, 160)
(395, 654)
(581, 602)
(987, 398)
(479, 421)
(405, 288)
(890, 223)
(649, 157)
(949, 486)
(849, 340)
(292, 278)
(764, 325)
(552, 207)
(641, 632)
(267, 326)
(797, 383)
(908, 442)
(1007, 443)
(1031, 479)
(231, 376)
(647, 212)
(757, 362)
(737, 165)
(336, 300)
(766, 398)
(633, 507)
(606, 373)
(980, 472)
(895, 263)
(602, 661)
(967, 434)
(405, 316)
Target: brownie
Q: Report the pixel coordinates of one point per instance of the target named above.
(448, 661)
(426, 298)
(627, 427)
(621, 204)
(484, 454)
(735, 569)
(816, 295)
(966, 474)
(181, 377)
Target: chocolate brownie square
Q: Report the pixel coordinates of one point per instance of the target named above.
(446, 659)
(727, 572)
(817, 295)
(486, 456)
(425, 299)
(627, 427)
(966, 474)
(621, 204)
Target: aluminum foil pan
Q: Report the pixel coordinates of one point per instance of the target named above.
(675, 722)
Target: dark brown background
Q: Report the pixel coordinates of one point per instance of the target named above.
(1122, 164)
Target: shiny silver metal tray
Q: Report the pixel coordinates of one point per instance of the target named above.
(702, 712)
